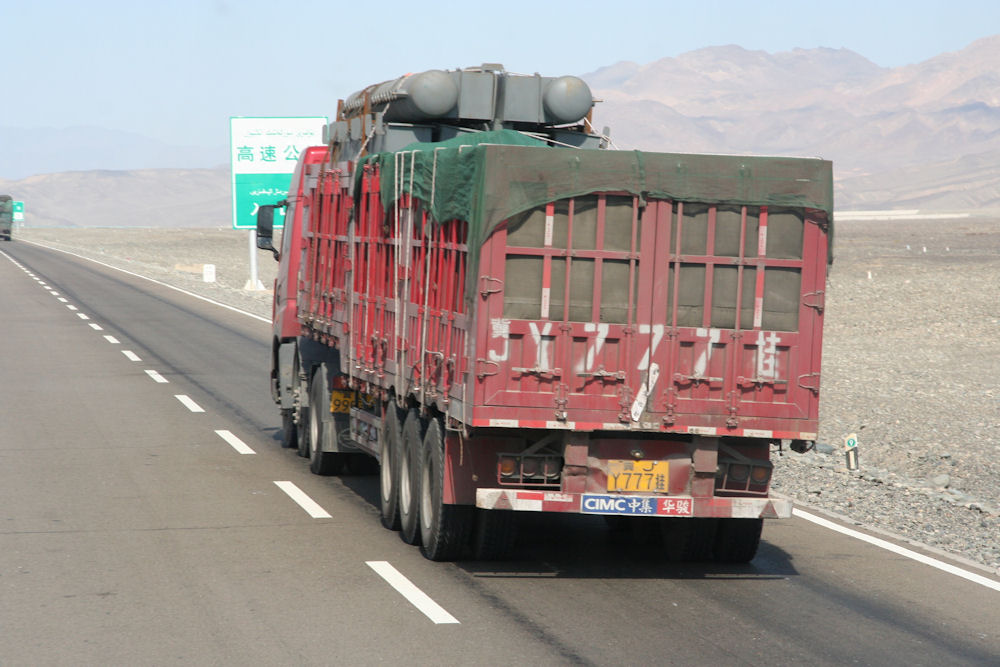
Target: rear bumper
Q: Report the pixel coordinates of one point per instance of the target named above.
(622, 505)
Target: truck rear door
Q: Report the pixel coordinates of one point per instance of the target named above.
(608, 309)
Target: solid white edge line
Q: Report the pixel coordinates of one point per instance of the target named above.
(408, 590)
(188, 403)
(152, 280)
(157, 377)
(130, 355)
(235, 442)
(311, 507)
(896, 549)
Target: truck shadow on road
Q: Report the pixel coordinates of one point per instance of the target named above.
(584, 547)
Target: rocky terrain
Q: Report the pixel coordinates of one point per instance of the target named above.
(911, 365)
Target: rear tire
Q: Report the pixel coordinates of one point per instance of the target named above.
(737, 540)
(289, 431)
(320, 462)
(444, 529)
(304, 419)
(689, 540)
(495, 534)
(392, 439)
(409, 478)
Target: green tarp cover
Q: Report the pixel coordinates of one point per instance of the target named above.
(487, 177)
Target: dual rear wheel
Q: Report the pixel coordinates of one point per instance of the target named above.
(412, 481)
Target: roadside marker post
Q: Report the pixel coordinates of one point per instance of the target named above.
(851, 451)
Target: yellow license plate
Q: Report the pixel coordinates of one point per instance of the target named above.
(653, 476)
(341, 400)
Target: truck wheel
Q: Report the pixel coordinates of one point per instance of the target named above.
(409, 478)
(737, 540)
(304, 420)
(388, 475)
(495, 534)
(289, 431)
(689, 540)
(320, 462)
(444, 529)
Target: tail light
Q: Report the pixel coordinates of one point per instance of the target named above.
(748, 476)
(529, 470)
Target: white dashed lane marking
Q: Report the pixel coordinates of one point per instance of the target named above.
(96, 327)
(408, 590)
(131, 356)
(112, 340)
(311, 507)
(157, 377)
(235, 442)
(188, 403)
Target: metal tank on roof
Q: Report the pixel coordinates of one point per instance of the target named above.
(475, 95)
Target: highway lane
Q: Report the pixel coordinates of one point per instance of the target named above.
(130, 531)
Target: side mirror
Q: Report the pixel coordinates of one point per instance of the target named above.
(265, 229)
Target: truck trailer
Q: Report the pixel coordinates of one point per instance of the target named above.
(6, 217)
(509, 316)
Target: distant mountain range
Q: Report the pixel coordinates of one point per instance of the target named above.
(30, 151)
(137, 198)
(924, 136)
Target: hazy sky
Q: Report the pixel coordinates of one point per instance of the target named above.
(177, 70)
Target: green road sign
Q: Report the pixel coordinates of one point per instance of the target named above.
(18, 211)
(264, 152)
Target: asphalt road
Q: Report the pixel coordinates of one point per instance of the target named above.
(133, 532)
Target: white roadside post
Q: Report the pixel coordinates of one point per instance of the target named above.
(264, 152)
(253, 283)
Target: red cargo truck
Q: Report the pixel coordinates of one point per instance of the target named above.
(510, 318)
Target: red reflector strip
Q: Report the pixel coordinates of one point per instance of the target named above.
(546, 501)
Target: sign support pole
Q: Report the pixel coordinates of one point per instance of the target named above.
(253, 284)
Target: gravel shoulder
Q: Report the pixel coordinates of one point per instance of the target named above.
(911, 362)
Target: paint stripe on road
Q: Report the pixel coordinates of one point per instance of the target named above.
(235, 442)
(96, 327)
(112, 340)
(157, 377)
(132, 356)
(62, 300)
(82, 316)
(266, 320)
(188, 403)
(902, 551)
(408, 590)
(311, 507)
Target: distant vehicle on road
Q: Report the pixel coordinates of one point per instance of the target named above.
(6, 217)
